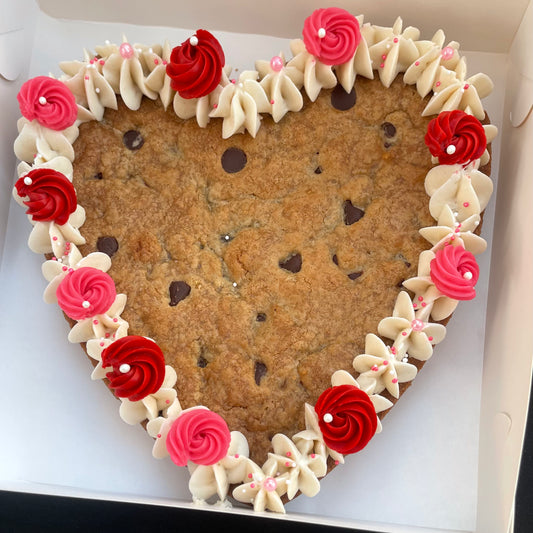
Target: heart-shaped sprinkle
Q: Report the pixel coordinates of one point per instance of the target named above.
(179, 290)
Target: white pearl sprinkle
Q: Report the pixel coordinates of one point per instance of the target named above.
(107, 41)
(193, 40)
(451, 149)
(321, 33)
(234, 283)
(86, 304)
(124, 368)
(97, 90)
(226, 237)
(42, 100)
(328, 418)
(468, 275)
(27, 180)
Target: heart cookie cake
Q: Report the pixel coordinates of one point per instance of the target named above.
(258, 265)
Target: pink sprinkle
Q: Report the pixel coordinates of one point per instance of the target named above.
(417, 325)
(71, 269)
(437, 84)
(156, 61)
(313, 456)
(417, 63)
(276, 63)
(415, 305)
(395, 380)
(288, 463)
(336, 462)
(393, 349)
(102, 62)
(250, 476)
(395, 39)
(55, 259)
(430, 339)
(95, 322)
(384, 56)
(382, 65)
(64, 268)
(385, 363)
(54, 238)
(159, 435)
(424, 304)
(252, 485)
(288, 454)
(115, 320)
(126, 50)
(215, 106)
(420, 298)
(466, 86)
(91, 61)
(404, 333)
(447, 53)
(233, 81)
(165, 62)
(107, 335)
(167, 401)
(270, 484)
(272, 102)
(102, 344)
(236, 456)
(114, 335)
(86, 77)
(452, 238)
(374, 368)
(466, 204)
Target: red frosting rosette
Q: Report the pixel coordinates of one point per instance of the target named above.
(455, 137)
(198, 435)
(51, 195)
(347, 418)
(86, 292)
(195, 67)
(49, 101)
(332, 35)
(455, 272)
(138, 367)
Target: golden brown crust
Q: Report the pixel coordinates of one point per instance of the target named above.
(255, 352)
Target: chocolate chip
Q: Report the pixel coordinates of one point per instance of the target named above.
(261, 317)
(178, 290)
(107, 245)
(342, 100)
(354, 275)
(318, 170)
(133, 140)
(98, 176)
(233, 160)
(201, 362)
(292, 264)
(260, 372)
(387, 145)
(335, 259)
(351, 213)
(389, 130)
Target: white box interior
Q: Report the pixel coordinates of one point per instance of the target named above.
(448, 436)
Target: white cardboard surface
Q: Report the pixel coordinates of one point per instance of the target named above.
(422, 470)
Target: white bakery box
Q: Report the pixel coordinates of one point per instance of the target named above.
(448, 456)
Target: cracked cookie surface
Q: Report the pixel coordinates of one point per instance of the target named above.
(259, 265)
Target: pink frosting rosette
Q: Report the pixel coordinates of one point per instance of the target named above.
(198, 435)
(86, 292)
(49, 101)
(455, 272)
(331, 35)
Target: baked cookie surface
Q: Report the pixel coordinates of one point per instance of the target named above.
(259, 265)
